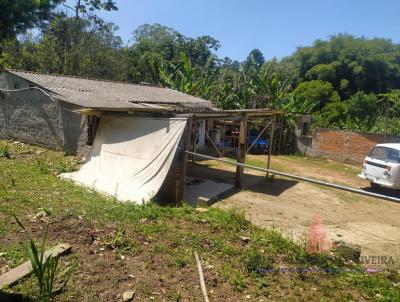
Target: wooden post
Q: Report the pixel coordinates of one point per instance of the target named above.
(187, 142)
(271, 142)
(241, 155)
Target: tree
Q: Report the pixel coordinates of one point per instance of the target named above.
(85, 9)
(16, 16)
(317, 92)
(348, 63)
(255, 59)
(156, 47)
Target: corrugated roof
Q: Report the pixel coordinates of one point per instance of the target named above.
(90, 93)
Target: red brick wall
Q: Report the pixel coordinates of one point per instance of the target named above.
(344, 145)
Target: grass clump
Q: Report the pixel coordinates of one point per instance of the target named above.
(44, 266)
(5, 151)
(256, 261)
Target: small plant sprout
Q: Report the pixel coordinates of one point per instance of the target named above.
(44, 266)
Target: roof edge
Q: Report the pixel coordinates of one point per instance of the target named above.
(84, 78)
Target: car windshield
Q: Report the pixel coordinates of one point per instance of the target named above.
(386, 154)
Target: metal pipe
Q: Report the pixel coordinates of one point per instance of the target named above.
(29, 88)
(314, 181)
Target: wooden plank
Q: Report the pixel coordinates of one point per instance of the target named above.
(25, 269)
(241, 155)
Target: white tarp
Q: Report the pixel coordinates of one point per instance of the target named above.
(130, 157)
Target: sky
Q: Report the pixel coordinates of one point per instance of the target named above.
(276, 27)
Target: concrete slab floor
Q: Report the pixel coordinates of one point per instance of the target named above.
(205, 189)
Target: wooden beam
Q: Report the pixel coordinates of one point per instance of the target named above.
(185, 158)
(214, 146)
(25, 269)
(271, 141)
(255, 141)
(241, 154)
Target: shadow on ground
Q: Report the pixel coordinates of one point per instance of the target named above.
(254, 183)
(383, 191)
(8, 297)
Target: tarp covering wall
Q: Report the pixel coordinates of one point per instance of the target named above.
(130, 157)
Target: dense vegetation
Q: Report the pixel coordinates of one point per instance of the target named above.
(346, 82)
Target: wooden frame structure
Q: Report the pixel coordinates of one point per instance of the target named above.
(243, 117)
(174, 186)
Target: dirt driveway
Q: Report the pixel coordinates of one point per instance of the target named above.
(290, 205)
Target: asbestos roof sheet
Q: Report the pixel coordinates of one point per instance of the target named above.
(90, 93)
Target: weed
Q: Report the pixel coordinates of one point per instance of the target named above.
(43, 166)
(235, 277)
(44, 267)
(374, 286)
(120, 243)
(254, 261)
(14, 255)
(181, 261)
(175, 296)
(64, 166)
(223, 247)
(12, 181)
(5, 151)
(394, 273)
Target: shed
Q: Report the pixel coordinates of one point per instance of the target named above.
(43, 109)
(63, 112)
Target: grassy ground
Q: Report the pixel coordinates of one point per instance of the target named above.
(149, 249)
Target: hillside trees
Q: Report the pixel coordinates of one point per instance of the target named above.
(345, 82)
(157, 47)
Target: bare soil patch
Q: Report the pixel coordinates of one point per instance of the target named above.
(288, 205)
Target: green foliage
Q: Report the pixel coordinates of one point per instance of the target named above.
(317, 92)
(14, 254)
(19, 15)
(159, 50)
(44, 267)
(350, 64)
(5, 151)
(345, 82)
(43, 166)
(254, 261)
(360, 113)
(373, 286)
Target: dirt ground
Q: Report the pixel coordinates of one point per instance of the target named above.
(143, 270)
(289, 205)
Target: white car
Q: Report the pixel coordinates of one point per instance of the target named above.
(382, 166)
